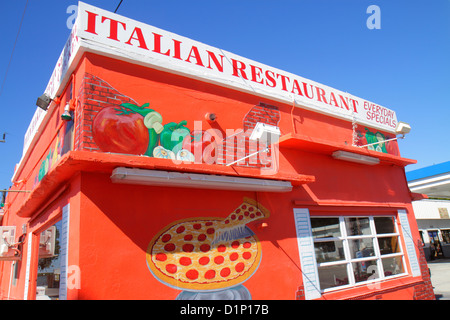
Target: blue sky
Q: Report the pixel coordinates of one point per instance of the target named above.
(403, 66)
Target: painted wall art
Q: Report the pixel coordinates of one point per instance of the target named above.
(209, 258)
(113, 122)
(140, 130)
(61, 145)
(377, 141)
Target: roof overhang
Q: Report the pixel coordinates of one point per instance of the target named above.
(437, 186)
(55, 182)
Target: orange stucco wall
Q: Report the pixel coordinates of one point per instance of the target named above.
(118, 226)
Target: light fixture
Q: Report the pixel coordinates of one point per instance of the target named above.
(43, 101)
(265, 133)
(66, 116)
(403, 128)
(355, 157)
(196, 180)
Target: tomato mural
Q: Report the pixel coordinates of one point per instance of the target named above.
(122, 130)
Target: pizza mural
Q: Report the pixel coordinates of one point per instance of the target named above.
(208, 258)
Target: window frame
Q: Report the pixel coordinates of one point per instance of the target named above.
(348, 260)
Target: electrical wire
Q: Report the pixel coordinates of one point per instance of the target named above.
(118, 6)
(14, 47)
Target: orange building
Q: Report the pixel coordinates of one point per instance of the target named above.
(159, 167)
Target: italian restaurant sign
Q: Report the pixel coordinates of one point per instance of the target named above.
(106, 33)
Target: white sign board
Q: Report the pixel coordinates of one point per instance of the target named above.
(126, 39)
(63, 64)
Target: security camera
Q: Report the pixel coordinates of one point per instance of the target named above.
(403, 128)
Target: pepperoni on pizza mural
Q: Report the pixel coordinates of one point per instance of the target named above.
(187, 254)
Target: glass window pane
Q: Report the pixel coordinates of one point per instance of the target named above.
(392, 266)
(329, 251)
(333, 276)
(325, 227)
(365, 270)
(357, 226)
(49, 264)
(361, 248)
(445, 236)
(421, 236)
(388, 245)
(384, 224)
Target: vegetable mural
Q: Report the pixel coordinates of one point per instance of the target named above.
(122, 130)
(53, 155)
(61, 145)
(173, 134)
(139, 130)
(377, 142)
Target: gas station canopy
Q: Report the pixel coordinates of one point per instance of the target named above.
(434, 181)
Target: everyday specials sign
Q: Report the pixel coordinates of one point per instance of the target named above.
(110, 34)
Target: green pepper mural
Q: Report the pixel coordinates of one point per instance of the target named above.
(173, 135)
(376, 141)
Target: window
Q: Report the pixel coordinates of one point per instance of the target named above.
(49, 264)
(446, 236)
(354, 250)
